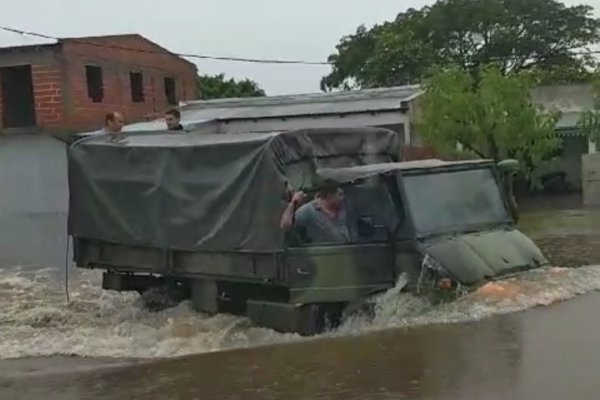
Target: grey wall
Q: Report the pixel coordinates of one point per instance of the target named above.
(570, 160)
(33, 201)
(591, 179)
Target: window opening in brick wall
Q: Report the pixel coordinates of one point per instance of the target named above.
(18, 105)
(170, 91)
(136, 81)
(95, 87)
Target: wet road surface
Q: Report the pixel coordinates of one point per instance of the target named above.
(544, 353)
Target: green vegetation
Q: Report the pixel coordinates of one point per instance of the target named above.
(491, 117)
(217, 87)
(536, 37)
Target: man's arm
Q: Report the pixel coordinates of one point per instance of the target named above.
(287, 218)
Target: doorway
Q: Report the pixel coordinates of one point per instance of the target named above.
(18, 105)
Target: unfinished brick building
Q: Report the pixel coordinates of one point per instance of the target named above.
(71, 84)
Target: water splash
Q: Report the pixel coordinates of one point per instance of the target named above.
(541, 287)
(36, 320)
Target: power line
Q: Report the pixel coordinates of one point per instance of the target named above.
(199, 56)
(254, 60)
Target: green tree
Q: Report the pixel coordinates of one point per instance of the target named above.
(217, 87)
(532, 35)
(493, 117)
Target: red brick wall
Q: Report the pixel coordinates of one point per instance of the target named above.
(48, 95)
(82, 113)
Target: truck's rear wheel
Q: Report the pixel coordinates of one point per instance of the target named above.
(306, 319)
(161, 297)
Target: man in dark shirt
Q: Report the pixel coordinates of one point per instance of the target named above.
(173, 118)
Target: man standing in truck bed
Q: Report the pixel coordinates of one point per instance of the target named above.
(113, 123)
(173, 118)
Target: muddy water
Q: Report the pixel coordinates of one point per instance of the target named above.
(547, 353)
(480, 347)
(37, 320)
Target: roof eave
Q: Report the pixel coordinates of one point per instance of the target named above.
(30, 48)
(312, 115)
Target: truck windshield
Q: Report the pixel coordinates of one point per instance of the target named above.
(451, 201)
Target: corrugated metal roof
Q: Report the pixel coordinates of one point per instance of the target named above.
(291, 110)
(202, 112)
(397, 92)
(567, 124)
(570, 101)
(359, 101)
(568, 131)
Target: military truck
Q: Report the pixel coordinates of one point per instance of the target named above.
(198, 216)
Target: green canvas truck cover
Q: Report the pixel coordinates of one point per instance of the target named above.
(205, 192)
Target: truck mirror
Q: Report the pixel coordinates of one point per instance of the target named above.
(508, 165)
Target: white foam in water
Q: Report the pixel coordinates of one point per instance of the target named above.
(36, 319)
(540, 287)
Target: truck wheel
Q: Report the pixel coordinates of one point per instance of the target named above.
(160, 298)
(322, 318)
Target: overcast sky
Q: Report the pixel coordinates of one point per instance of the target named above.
(288, 29)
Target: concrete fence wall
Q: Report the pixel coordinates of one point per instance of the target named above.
(33, 201)
(591, 179)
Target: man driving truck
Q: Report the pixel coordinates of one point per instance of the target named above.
(323, 219)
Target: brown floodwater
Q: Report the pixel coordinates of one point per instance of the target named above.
(545, 353)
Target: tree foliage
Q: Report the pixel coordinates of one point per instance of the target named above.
(217, 87)
(492, 117)
(518, 35)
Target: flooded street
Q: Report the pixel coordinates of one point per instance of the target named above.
(535, 336)
(492, 345)
(545, 353)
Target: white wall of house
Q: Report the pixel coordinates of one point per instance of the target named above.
(570, 160)
(565, 98)
(571, 101)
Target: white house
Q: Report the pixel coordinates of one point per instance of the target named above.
(571, 101)
(386, 107)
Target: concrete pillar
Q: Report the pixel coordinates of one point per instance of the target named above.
(407, 133)
(591, 146)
